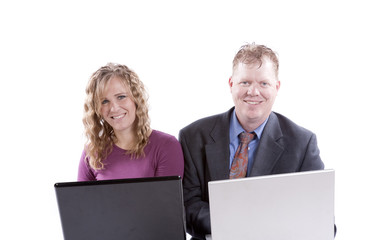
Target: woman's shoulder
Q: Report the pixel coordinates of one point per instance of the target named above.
(159, 139)
(157, 135)
(161, 144)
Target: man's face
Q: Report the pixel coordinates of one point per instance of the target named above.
(254, 89)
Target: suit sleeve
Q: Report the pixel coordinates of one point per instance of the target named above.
(197, 208)
(312, 160)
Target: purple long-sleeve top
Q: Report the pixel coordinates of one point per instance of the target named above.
(162, 157)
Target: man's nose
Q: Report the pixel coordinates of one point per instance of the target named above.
(254, 90)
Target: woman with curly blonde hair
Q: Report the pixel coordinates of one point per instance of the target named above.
(120, 141)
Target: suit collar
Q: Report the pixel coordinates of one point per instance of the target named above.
(217, 152)
(219, 131)
(270, 148)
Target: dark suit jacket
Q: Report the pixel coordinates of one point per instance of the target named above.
(284, 147)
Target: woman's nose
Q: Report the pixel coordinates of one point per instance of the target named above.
(113, 106)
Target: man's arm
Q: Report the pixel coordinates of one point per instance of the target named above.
(195, 197)
(312, 160)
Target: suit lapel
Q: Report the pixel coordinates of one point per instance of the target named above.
(269, 150)
(217, 150)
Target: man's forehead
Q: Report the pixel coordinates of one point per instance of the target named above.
(254, 64)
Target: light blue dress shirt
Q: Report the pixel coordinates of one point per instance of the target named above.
(235, 129)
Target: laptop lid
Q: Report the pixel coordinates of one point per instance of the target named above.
(293, 206)
(142, 208)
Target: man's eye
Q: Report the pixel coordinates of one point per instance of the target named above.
(244, 83)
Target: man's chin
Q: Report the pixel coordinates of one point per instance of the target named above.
(256, 116)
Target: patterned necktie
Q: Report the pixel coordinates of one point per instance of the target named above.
(240, 160)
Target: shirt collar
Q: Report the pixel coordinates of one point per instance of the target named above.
(236, 128)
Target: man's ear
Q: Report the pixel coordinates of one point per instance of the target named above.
(277, 85)
(230, 82)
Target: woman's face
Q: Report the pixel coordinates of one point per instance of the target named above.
(117, 107)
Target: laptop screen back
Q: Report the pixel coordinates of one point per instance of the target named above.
(147, 208)
(294, 206)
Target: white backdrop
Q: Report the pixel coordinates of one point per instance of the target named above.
(333, 57)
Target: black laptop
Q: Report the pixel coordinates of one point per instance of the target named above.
(123, 209)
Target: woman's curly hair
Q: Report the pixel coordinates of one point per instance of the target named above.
(100, 135)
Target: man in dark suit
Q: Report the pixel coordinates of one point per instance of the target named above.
(209, 144)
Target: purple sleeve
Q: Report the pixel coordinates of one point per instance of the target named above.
(170, 158)
(85, 173)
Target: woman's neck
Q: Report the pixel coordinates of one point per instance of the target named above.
(125, 140)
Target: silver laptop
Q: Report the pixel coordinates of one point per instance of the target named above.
(123, 209)
(293, 206)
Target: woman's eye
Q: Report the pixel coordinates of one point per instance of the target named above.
(104, 102)
(121, 97)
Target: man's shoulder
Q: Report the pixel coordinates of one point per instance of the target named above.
(287, 125)
(207, 123)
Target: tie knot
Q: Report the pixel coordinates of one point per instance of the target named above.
(246, 137)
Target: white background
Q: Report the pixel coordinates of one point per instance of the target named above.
(333, 70)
